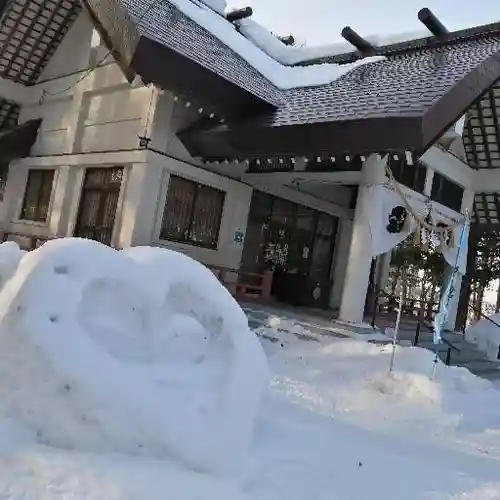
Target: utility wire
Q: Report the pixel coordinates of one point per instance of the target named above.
(87, 73)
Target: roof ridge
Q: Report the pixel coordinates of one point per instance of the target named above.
(392, 49)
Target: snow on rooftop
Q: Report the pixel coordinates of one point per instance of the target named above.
(284, 77)
(383, 40)
(290, 55)
(286, 54)
(216, 5)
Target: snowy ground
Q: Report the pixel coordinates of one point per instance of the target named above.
(355, 427)
(333, 424)
(485, 333)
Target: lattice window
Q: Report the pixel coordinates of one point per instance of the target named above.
(193, 213)
(37, 195)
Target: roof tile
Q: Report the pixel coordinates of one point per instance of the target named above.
(169, 26)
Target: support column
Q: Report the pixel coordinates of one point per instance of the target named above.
(467, 203)
(138, 213)
(342, 246)
(383, 270)
(360, 257)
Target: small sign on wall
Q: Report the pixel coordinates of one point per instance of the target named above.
(239, 237)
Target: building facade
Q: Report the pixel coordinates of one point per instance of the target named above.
(115, 160)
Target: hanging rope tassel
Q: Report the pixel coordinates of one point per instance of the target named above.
(417, 236)
(451, 242)
(424, 222)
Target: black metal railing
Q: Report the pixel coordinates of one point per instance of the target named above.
(420, 321)
(487, 318)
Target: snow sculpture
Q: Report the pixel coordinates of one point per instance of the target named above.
(140, 351)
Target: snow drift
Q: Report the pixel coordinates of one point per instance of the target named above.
(140, 351)
(486, 335)
(351, 378)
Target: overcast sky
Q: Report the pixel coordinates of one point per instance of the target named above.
(319, 22)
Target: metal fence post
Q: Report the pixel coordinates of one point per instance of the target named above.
(417, 334)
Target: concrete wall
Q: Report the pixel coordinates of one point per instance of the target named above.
(148, 217)
(172, 115)
(89, 120)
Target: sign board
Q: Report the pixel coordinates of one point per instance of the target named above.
(239, 237)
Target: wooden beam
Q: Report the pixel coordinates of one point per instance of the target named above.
(432, 23)
(363, 45)
(470, 133)
(486, 210)
(482, 127)
(497, 205)
(18, 93)
(496, 123)
(338, 178)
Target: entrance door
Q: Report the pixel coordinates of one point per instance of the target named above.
(98, 203)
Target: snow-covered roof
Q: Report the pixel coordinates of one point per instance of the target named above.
(218, 6)
(267, 62)
(286, 54)
(291, 55)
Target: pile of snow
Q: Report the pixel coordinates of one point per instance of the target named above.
(351, 378)
(486, 335)
(133, 375)
(286, 54)
(283, 77)
(383, 40)
(140, 352)
(291, 55)
(218, 6)
(10, 256)
(39, 473)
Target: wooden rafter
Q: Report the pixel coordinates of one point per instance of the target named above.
(496, 123)
(68, 17)
(22, 42)
(470, 134)
(497, 206)
(30, 34)
(484, 135)
(486, 211)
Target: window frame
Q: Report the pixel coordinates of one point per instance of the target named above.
(187, 239)
(412, 176)
(22, 212)
(4, 176)
(440, 183)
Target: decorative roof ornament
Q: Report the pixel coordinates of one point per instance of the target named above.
(239, 14)
(287, 40)
(432, 23)
(363, 45)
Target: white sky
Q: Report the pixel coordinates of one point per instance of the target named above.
(319, 22)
